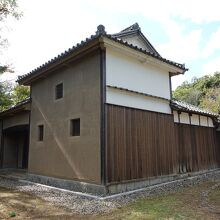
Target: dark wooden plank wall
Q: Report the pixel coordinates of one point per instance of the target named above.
(197, 146)
(142, 144)
(218, 138)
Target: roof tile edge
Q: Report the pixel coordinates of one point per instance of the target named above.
(100, 32)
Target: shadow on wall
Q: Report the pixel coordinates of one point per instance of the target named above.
(59, 144)
(16, 147)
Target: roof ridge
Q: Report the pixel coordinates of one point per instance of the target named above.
(189, 104)
(23, 102)
(133, 27)
(100, 32)
(194, 108)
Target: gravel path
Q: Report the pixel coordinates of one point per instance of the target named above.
(85, 205)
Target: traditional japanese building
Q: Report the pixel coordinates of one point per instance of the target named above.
(101, 119)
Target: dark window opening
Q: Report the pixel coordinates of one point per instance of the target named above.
(59, 91)
(75, 127)
(40, 132)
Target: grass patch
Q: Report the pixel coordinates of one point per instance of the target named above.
(12, 214)
(185, 204)
(214, 198)
(167, 207)
(161, 207)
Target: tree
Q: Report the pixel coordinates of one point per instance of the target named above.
(11, 94)
(20, 93)
(203, 92)
(5, 99)
(8, 8)
(187, 94)
(212, 100)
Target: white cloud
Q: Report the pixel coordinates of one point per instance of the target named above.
(211, 66)
(181, 47)
(49, 27)
(196, 11)
(212, 45)
(45, 31)
(177, 80)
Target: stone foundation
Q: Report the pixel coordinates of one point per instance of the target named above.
(68, 184)
(116, 188)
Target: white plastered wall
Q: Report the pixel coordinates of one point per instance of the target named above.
(195, 119)
(175, 116)
(129, 73)
(125, 98)
(203, 121)
(136, 41)
(184, 118)
(210, 122)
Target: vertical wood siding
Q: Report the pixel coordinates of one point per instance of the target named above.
(218, 138)
(142, 144)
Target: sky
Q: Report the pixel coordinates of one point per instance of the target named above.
(183, 31)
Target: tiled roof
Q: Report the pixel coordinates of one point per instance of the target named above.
(99, 33)
(131, 28)
(17, 105)
(181, 66)
(183, 106)
(135, 29)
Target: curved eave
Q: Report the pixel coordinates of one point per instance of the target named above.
(175, 108)
(140, 34)
(60, 61)
(143, 55)
(20, 107)
(87, 46)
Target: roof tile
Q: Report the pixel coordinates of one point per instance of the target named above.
(183, 106)
(87, 40)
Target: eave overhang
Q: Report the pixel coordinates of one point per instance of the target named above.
(23, 106)
(144, 56)
(180, 108)
(60, 61)
(137, 33)
(95, 42)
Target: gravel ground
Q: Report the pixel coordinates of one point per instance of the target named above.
(84, 205)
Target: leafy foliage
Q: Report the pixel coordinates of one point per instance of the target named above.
(11, 95)
(203, 92)
(8, 94)
(211, 100)
(20, 93)
(8, 8)
(5, 99)
(3, 69)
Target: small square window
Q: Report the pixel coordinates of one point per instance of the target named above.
(59, 91)
(75, 127)
(40, 133)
